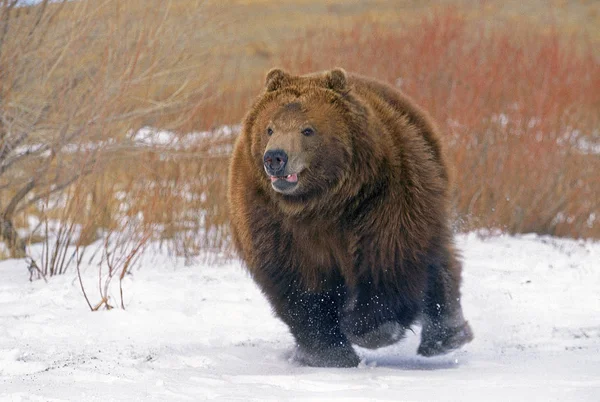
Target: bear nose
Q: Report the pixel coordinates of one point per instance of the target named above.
(275, 161)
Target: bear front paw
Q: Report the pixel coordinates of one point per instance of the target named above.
(343, 356)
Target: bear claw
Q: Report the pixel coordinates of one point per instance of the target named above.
(447, 340)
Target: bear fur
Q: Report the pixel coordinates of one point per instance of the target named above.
(339, 198)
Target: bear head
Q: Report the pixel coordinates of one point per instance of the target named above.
(301, 133)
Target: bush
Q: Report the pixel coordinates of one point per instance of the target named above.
(519, 110)
(75, 79)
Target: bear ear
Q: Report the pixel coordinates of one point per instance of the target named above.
(336, 79)
(275, 79)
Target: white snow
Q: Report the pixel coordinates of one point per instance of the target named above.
(201, 332)
(155, 137)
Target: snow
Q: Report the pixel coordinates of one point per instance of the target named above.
(146, 137)
(200, 332)
(154, 137)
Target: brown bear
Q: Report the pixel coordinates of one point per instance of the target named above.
(338, 194)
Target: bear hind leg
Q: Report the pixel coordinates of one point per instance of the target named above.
(374, 317)
(444, 326)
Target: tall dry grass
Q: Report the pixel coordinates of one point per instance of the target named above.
(519, 109)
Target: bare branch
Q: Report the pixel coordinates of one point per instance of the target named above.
(40, 149)
(17, 198)
(8, 146)
(56, 188)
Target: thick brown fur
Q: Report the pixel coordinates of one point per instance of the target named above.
(363, 245)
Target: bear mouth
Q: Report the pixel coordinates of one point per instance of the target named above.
(284, 184)
(290, 178)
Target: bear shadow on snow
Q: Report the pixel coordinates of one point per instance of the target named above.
(405, 363)
(338, 196)
(392, 358)
(401, 356)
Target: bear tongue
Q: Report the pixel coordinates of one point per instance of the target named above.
(292, 178)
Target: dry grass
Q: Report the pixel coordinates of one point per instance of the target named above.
(515, 108)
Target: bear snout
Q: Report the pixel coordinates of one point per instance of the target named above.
(275, 161)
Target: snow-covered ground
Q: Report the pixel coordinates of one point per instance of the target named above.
(206, 332)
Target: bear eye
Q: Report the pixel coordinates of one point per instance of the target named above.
(308, 132)
(269, 131)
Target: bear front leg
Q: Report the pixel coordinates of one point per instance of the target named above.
(444, 326)
(313, 320)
